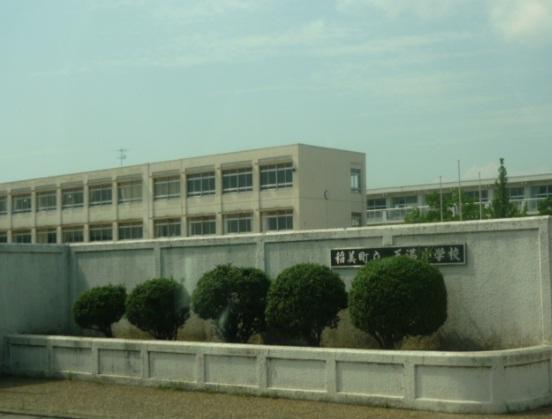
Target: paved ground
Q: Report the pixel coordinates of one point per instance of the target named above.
(32, 398)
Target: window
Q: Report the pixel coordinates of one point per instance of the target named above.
(73, 235)
(99, 195)
(202, 226)
(101, 233)
(129, 191)
(404, 201)
(237, 180)
(238, 223)
(3, 237)
(541, 191)
(278, 220)
(167, 228)
(355, 180)
(166, 187)
(356, 219)
(277, 175)
(46, 201)
(474, 195)
(131, 231)
(201, 184)
(21, 203)
(23, 236)
(377, 203)
(516, 192)
(3, 205)
(47, 235)
(72, 198)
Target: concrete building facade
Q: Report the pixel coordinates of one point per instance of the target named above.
(293, 187)
(390, 205)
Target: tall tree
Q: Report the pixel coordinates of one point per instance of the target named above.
(501, 207)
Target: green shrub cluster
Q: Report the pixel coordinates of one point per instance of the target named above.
(390, 299)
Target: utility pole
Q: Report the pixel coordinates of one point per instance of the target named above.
(459, 193)
(441, 196)
(122, 155)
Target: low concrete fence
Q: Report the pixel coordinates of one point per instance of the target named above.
(475, 382)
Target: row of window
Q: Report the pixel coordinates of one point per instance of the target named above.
(235, 180)
(235, 223)
(515, 192)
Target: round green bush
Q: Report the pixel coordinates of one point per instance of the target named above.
(158, 307)
(396, 297)
(235, 298)
(100, 307)
(303, 300)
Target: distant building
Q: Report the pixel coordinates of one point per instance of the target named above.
(293, 187)
(390, 205)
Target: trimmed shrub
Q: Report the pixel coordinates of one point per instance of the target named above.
(235, 298)
(396, 297)
(158, 307)
(100, 307)
(303, 300)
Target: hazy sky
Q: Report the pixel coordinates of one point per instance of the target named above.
(415, 84)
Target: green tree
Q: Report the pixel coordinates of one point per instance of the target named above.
(303, 300)
(501, 207)
(100, 307)
(470, 210)
(235, 298)
(159, 307)
(395, 297)
(545, 206)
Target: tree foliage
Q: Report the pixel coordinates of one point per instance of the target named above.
(303, 300)
(100, 307)
(397, 297)
(235, 298)
(545, 206)
(501, 207)
(158, 307)
(470, 209)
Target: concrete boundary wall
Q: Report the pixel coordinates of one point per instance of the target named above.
(501, 298)
(474, 382)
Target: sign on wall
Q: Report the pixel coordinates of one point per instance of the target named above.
(447, 254)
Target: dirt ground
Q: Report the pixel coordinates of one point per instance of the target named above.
(79, 399)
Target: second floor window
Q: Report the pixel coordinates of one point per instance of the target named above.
(278, 221)
(355, 180)
(21, 203)
(166, 187)
(237, 180)
(100, 195)
(72, 198)
(3, 237)
(46, 201)
(201, 184)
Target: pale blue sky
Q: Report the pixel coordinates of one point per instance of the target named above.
(416, 85)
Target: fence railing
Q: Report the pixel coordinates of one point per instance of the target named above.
(397, 215)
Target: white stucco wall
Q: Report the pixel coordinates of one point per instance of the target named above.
(470, 382)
